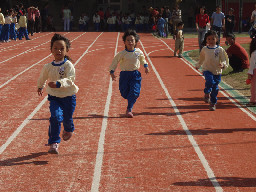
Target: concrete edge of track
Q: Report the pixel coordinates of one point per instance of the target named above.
(228, 88)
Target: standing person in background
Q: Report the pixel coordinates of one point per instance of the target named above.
(166, 15)
(37, 20)
(229, 22)
(96, 21)
(202, 21)
(66, 18)
(179, 40)
(252, 72)
(253, 23)
(253, 16)
(31, 20)
(13, 34)
(44, 16)
(23, 28)
(102, 20)
(176, 18)
(81, 23)
(218, 21)
(2, 21)
(86, 22)
(7, 25)
(160, 26)
(21, 11)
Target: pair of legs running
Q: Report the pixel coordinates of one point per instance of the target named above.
(211, 89)
(62, 110)
(129, 86)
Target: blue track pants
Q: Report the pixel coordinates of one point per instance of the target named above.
(62, 110)
(211, 85)
(129, 86)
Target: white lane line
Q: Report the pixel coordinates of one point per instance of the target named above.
(225, 94)
(14, 77)
(25, 122)
(193, 142)
(27, 51)
(100, 151)
(23, 42)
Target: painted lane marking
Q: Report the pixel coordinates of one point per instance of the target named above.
(193, 142)
(3, 49)
(27, 51)
(14, 77)
(100, 151)
(25, 122)
(222, 92)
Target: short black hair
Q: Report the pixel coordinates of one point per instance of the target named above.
(180, 24)
(57, 37)
(209, 33)
(133, 33)
(231, 35)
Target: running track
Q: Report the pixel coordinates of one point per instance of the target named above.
(174, 143)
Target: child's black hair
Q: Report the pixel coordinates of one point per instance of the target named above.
(57, 37)
(133, 33)
(180, 24)
(253, 45)
(231, 35)
(209, 33)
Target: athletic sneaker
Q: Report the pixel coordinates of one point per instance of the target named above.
(129, 114)
(54, 148)
(66, 135)
(212, 107)
(207, 98)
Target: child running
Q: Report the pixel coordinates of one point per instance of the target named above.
(213, 60)
(130, 78)
(61, 91)
(252, 73)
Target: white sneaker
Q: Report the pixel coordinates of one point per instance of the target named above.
(54, 148)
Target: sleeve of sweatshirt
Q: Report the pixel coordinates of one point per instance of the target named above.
(201, 59)
(142, 58)
(70, 77)
(115, 62)
(42, 78)
(224, 58)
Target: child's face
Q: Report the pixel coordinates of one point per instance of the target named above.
(130, 43)
(218, 9)
(230, 40)
(59, 50)
(211, 40)
(181, 27)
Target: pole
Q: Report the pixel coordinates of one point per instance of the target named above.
(240, 15)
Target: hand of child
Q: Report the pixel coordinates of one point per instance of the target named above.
(113, 76)
(40, 91)
(146, 70)
(221, 65)
(52, 84)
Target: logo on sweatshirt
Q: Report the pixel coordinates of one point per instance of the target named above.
(61, 72)
(216, 52)
(137, 55)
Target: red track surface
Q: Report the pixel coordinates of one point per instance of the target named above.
(151, 152)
